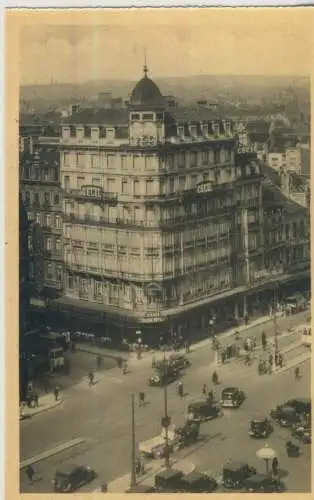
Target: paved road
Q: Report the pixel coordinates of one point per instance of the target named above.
(102, 415)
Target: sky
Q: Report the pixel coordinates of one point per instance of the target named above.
(77, 52)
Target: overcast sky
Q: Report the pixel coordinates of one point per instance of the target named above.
(81, 53)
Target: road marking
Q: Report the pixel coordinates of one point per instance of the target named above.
(53, 451)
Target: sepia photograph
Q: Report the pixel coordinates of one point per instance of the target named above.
(163, 186)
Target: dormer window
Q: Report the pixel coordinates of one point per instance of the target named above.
(216, 128)
(87, 132)
(72, 131)
(65, 133)
(95, 133)
(135, 116)
(110, 133)
(181, 132)
(193, 130)
(148, 116)
(205, 129)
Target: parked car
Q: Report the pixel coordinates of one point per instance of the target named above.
(235, 473)
(291, 412)
(71, 477)
(200, 411)
(198, 482)
(169, 480)
(260, 427)
(231, 397)
(262, 483)
(302, 406)
(141, 488)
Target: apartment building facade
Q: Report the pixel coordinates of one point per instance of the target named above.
(161, 217)
(40, 187)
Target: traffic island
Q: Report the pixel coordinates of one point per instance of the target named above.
(121, 484)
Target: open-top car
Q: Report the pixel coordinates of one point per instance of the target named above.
(260, 427)
(231, 397)
(235, 473)
(263, 483)
(200, 411)
(71, 477)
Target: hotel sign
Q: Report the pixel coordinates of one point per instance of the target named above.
(92, 192)
(204, 187)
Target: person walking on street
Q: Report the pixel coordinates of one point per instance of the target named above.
(30, 474)
(280, 360)
(99, 362)
(274, 467)
(91, 378)
(56, 393)
(215, 378)
(210, 397)
(180, 388)
(297, 375)
(204, 389)
(141, 399)
(264, 341)
(154, 362)
(36, 398)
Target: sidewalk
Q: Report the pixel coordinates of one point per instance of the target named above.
(45, 402)
(121, 484)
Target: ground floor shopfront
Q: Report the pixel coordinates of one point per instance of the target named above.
(192, 322)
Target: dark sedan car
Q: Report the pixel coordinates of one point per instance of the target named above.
(198, 482)
(202, 410)
(231, 397)
(302, 406)
(263, 483)
(71, 477)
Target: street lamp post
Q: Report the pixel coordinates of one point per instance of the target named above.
(275, 320)
(133, 458)
(166, 420)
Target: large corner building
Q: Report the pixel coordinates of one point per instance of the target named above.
(162, 219)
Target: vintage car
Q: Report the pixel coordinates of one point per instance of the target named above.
(187, 434)
(179, 362)
(263, 483)
(163, 377)
(200, 411)
(169, 480)
(260, 427)
(178, 437)
(235, 473)
(198, 482)
(71, 477)
(285, 416)
(231, 397)
(302, 406)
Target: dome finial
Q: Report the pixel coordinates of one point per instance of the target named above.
(145, 64)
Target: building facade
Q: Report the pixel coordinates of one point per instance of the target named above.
(41, 193)
(162, 217)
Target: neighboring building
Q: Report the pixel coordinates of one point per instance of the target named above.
(40, 187)
(305, 159)
(293, 160)
(253, 136)
(160, 215)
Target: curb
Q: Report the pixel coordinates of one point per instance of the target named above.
(41, 410)
(51, 452)
(103, 355)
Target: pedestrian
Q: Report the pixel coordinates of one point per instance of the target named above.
(270, 367)
(270, 359)
(215, 378)
(210, 397)
(91, 378)
(297, 375)
(246, 319)
(276, 358)
(280, 360)
(204, 389)
(36, 398)
(30, 474)
(125, 368)
(274, 466)
(141, 399)
(180, 388)
(264, 341)
(56, 393)
(223, 356)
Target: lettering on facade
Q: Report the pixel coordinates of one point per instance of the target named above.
(204, 187)
(146, 140)
(264, 274)
(92, 192)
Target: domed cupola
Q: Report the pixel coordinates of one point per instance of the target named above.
(146, 93)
